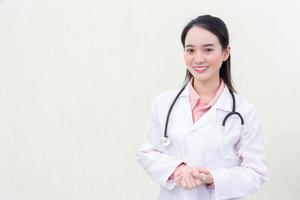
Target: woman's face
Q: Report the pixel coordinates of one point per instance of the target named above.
(203, 54)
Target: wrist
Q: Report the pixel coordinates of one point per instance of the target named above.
(180, 166)
(171, 177)
(209, 179)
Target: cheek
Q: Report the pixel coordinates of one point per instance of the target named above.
(215, 60)
(187, 59)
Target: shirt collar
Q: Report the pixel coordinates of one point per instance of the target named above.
(193, 95)
(224, 101)
(197, 101)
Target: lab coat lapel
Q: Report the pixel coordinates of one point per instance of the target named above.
(225, 101)
(187, 115)
(210, 116)
(207, 118)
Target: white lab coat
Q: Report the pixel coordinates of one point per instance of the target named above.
(234, 154)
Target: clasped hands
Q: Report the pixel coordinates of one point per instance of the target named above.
(190, 177)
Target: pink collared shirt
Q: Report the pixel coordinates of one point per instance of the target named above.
(198, 105)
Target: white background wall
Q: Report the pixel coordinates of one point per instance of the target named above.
(77, 79)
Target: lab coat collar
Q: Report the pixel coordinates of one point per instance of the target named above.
(224, 102)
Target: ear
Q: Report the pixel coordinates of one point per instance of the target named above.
(226, 53)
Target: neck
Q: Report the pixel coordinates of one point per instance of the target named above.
(207, 89)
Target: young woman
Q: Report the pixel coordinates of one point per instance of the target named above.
(204, 141)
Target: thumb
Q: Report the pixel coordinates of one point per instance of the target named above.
(203, 170)
(195, 173)
(198, 174)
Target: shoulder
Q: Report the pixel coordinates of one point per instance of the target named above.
(246, 108)
(243, 103)
(165, 96)
(164, 99)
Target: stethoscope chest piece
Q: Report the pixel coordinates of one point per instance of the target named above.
(165, 141)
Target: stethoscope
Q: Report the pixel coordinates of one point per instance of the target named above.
(166, 141)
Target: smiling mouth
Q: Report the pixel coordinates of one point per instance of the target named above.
(200, 69)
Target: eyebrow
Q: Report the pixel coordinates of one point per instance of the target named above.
(205, 45)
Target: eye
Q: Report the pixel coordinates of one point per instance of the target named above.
(189, 50)
(208, 50)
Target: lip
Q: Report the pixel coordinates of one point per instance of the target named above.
(200, 69)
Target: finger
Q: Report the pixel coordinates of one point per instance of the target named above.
(178, 179)
(182, 183)
(198, 182)
(178, 182)
(192, 182)
(203, 170)
(204, 179)
(198, 175)
(178, 175)
(209, 179)
(188, 182)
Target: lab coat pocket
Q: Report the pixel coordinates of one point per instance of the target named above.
(230, 137)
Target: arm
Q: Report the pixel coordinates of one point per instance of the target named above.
(252, 173)
(156, 164)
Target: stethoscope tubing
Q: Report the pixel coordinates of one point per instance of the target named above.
(166, 141)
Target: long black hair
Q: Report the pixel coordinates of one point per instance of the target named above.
(216, 26)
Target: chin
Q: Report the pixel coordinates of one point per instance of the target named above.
(201, 78)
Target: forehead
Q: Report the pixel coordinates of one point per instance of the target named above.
(198, 36)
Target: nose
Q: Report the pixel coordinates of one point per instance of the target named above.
(199, 58)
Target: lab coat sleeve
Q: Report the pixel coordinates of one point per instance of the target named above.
(246, 178)
(158, 166)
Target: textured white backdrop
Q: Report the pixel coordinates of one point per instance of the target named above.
(77, 79)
